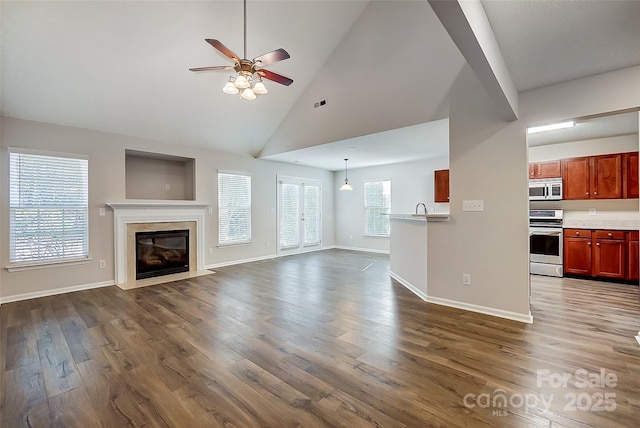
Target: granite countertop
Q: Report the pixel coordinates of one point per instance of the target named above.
(615, 220)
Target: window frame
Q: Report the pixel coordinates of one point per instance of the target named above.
(40, 263)
(249, 240)
(367, 208)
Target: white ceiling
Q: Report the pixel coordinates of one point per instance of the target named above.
(423, 141)
(601, 127)
(123, 67)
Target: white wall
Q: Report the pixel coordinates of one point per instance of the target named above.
(597, 146)
(106, 154)
(411, 183)
(488, 161)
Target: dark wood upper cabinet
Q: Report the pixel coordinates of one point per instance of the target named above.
(598, 177)
(547, 169)
(606, 176)
(576, 178)
(441, 185)
(630, 175)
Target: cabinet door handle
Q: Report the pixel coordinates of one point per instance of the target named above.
(598, 244)
(587, 193)
(578, 233)
(609, 235)
(595, 193)
(588, 243)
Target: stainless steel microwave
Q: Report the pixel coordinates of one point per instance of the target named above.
(548, 189)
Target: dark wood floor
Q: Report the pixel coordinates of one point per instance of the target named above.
(315, 340)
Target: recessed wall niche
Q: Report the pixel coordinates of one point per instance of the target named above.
(159, 177)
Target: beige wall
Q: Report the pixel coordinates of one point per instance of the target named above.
(411, 183)
(597, 146)
(488, 160)
(106, 154)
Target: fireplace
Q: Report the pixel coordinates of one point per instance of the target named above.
(161, 252)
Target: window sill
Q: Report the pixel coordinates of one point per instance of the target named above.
(235, 244)
(18, 267)
(376, 236)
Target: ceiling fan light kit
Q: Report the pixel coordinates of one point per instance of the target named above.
(249, 73)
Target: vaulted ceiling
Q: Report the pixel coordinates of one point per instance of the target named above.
(382, 65)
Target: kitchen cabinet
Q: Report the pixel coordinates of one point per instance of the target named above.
(606, 176)
(576, 173)
(577, 251)
(609, 254)
(592, 177)
(441, 185)
(633, 263)
(630, 175)
(548, 169)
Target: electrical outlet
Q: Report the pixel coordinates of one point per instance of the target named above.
(102, 212)
(592, 211)
(210, 250)
(466, 279)
(167, 187)
(473, 205)
(103, 264)
(266, 244)
(210, 210)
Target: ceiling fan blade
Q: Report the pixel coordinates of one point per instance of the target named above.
(271, 57)
(223, 49)
(217, 67)
(275, 77)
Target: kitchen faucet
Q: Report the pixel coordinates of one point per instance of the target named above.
(423, 206)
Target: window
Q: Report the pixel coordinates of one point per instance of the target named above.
(377, 203)
(311, 201)
(48, 207)
(234, 208)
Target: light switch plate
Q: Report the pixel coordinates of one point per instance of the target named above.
(473, 205)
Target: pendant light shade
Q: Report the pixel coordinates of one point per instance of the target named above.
(346, 185)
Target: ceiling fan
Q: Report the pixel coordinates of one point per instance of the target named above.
(249, 72)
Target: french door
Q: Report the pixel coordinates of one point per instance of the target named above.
(299, 212)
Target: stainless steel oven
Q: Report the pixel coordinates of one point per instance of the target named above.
(545, 242)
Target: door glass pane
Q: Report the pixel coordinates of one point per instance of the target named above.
(311, 215)
(289, 216)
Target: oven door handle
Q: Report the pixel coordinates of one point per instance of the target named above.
(547, 233)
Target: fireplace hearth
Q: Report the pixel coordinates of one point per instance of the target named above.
(161, 252)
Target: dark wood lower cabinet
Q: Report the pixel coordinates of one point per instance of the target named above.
(609, 258)
(577, 252)
(611, 254)
(633, 256)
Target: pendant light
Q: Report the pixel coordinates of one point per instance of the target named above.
(346, 185)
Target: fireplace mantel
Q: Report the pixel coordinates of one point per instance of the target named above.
(132, 212)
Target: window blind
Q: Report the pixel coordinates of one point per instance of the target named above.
(234, 208)
(289, 216)
(48, 207)
(377, 203)
(311, 214)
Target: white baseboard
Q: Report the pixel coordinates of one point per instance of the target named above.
(421, 294)
(241, 261)
(514, 316)
(54, 291)
(266, 257)
(364, 250)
